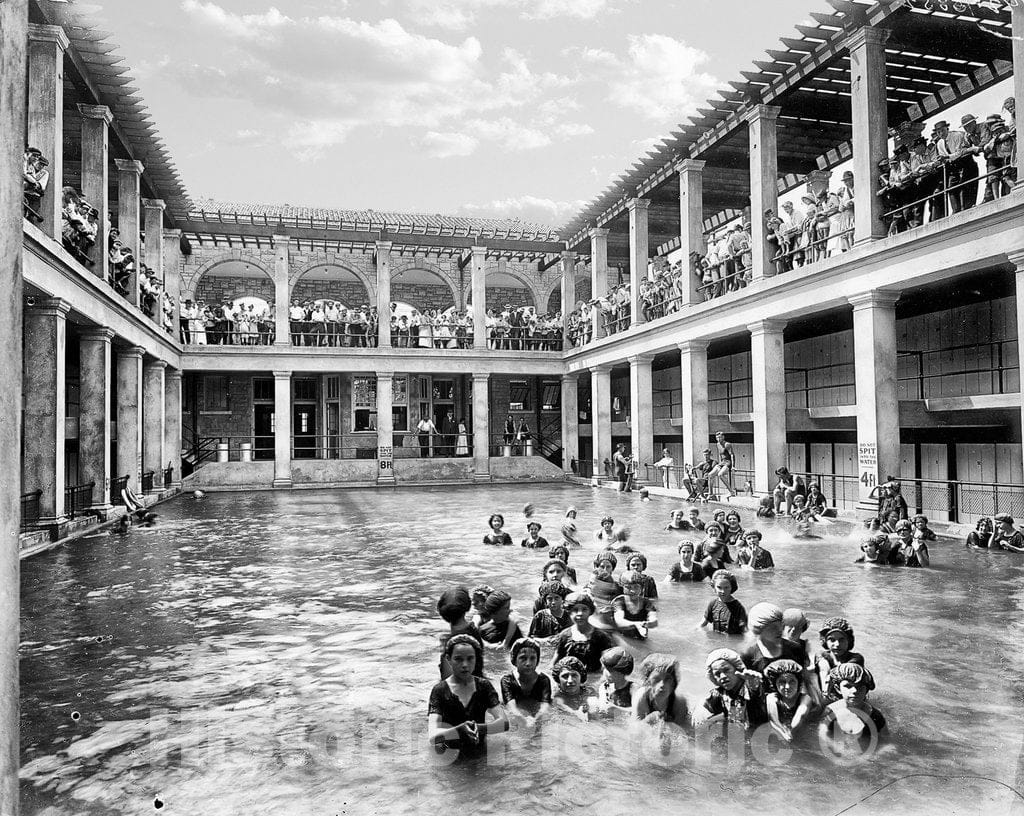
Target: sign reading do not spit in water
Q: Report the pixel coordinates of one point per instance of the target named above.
(384, 457)
(867, 463)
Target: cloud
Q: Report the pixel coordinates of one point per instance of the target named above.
(459, 15)
(527, 207)
(446, 145)
(659, 77)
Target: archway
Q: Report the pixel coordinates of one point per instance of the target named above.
(333, 281)
(230, 279)
(504, 289)
(422, 289)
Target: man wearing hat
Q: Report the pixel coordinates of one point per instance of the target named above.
(789, 230)
(927, 172)
(993, 129)
(957, 146)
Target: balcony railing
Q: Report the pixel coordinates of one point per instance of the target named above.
(147, 481)
(933, 188)
(974, 368)
(77, 499)
(117, 487)
(30, 509)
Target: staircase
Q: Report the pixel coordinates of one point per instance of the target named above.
(195, 450)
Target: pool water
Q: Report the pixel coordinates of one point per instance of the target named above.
(273, 652)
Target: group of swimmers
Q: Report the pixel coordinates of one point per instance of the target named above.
(775, 682)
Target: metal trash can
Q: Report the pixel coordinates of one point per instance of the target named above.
(529, 447)
(246, 451)
(222, 451)
(506, 450)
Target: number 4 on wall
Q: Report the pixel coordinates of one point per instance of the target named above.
(867, 478)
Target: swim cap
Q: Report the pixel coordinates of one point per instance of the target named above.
(551, 563)
(495, 601)
(533, 524)
(607, 518)
(632, 578)
(570, 510)
(454, 604)
(755, 533)
(574, 598)
(784, 666)
(608, 556)
(723, 573)
(464, 640)
(762, 614)
(795, 617)
(998, 517)
(851, 673)
(837, 625)
(557, 550)
(572, 664)
(617, 659)
(641, 556)
(525, 643)
(482, 590)
(727, 655)
(552, 588)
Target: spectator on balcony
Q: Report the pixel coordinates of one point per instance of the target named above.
(839, 209)
(1000, 153)
(36, 178)
(901, 181)
(961, 168)
(404, 332)
(184, 330)
(296, 317)
(927, 180)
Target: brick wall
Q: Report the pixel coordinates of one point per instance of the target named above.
(498, 296)
(422, 296)
(213, 288)
(350, 293)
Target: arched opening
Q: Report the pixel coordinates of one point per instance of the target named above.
(230, 280)
(504, 290)
(332, 282)
(421, 289)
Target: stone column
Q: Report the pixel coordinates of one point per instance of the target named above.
(601, 416)
(870, 128)
(172, 424)
(638, 253)
(598, 272)
(94, 414)
(691, 221)
(568, 293)
(96, 121)
(172, 277)
(154, 420)
(764, 183)
(282, 300)
(693, 379)
(641, 409)
(481, 427)
(153, 210)
(1017, 18)
(1017, 259)
(479, 289)
(878, 415)
(129, 415)
(570, 421)
(282, 429)
(768, 374)
(46, 48)
(13, 92)
(385, 429)
(45, 374)
(384, 297)
(129, 223)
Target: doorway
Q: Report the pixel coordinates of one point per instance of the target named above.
(304, 431)
(263, 432)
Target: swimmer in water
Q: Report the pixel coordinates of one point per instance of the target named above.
(632, 613)
(616, 691)
(525, 691)
(657, 698)
(849, 724)
(572, 695)
(738, 693)
(837, 639)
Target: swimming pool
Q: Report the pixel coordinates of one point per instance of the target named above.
(273, 653)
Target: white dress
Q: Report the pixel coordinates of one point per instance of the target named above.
(462, 441)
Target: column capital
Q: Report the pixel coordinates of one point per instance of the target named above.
(172, 233)
(689, 166)
(479, 250)
(282, 240)
(568, 255)
(172, 374)
(604, 368)
(1017, 259)
(878, 299)
(766, 326)
(693, 345)
(132, 351)
(481, 377)
(640, 359)
(155, 364)
(129, 166)
(638, 204)
(767, 113)
(383, 246)
(96, 112)
(53, 307)
(154, 204)
(282, 375)
(385, 375)
(867, 35)
(48, 33)
(96, 333)
(570, 378)
(599, 232)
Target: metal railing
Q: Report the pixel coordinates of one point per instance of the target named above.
(992, 362)
(30, 509)
(940, 204)
(529, 445)
(117, 486)
(227, 337)
(333, 335)
(839, 489)
(168, 477)
(147, 481)
(723, 400)
(78, 498)
(812, 251)
(438, 445)
(801, 394)
(722, 284)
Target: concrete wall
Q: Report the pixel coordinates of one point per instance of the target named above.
(524, 467)
(327, 471)
(231, 474)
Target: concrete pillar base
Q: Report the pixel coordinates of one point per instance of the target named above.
(283, 483)
(102, 511)
(870, 507)
(481, 478)
(386, 481)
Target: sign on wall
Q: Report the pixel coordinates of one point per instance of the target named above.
(385, 458)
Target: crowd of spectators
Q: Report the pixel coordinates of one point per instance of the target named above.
(79, 225)
(35, 180)
(522, 329)
(240, 323)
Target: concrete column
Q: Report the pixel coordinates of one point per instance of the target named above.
(870, 128)
(94, 414)
(96, 121)
(691, 221)
(878, 415)
(479, 289)
(384, 297)
(641, 409)
(154, 420)
(172, 277)
(385, 429)
(768, 374)
(1017, 18)
(570, 421)
(129, 415)
(568, 293)
(153, 226)
(46, 48)
(764, 183)
(598, 271)
(601, 416)
(481, 427)
(13, 92)
(172, 424)
(44, 399)
(638, 253)
(1017, 259)
(693, 377)
(282, 300)
(129, 221)
(282, 429)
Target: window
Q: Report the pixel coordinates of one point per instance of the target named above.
(519, 396)
(262, 389)
(551, 396)
(215, 394)
(364, 404)
(305, 390)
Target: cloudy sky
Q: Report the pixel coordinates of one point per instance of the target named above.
(476, 107)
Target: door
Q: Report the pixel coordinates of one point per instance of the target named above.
(263, 432)
(304, 431)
